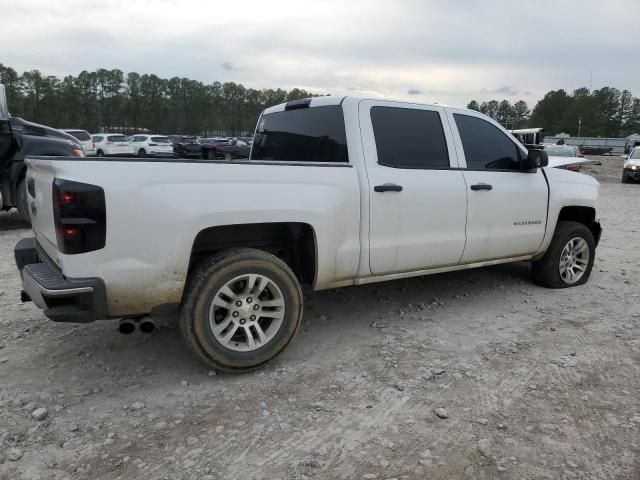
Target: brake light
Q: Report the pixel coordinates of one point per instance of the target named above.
(79, 213)
(153, 144)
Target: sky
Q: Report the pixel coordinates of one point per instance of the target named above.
(423, 50)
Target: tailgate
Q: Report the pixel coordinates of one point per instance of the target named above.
(40, 175)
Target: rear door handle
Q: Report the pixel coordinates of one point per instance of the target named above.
(388, 187)
(481, 186)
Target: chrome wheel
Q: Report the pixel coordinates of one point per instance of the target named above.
(247, 312)
(574, 260)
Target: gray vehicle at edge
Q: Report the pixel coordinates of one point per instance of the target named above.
(18, 139)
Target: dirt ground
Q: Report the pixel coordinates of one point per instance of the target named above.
(536, 383)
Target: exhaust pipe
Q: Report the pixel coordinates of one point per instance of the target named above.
(126, 326)
(147, 325)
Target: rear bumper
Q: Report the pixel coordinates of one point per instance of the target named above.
(62, 299)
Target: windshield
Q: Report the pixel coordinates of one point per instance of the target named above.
(79, 134)
(635, 153)
(560, 151)
(161, 139)
(117, 138)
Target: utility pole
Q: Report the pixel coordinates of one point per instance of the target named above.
(579, 125)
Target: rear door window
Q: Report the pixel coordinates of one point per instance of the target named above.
(409, 138)
(313, 134)
(117, 138)
(97, 138)
(160, 139)
(80, 135)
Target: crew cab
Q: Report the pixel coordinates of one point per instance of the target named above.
(19, 138)
(337, 192)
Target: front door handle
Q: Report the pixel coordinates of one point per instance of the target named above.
(388, 187)
(481, 186)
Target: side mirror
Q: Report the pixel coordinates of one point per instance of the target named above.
(4, 105)
(535, 159)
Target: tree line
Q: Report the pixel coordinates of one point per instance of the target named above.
(607, 112)
(115, 101)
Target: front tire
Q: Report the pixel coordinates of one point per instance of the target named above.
(241, 308)
(569, 258)
(211, 155)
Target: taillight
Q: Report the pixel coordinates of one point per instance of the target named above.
(79, 213)
(153, 144)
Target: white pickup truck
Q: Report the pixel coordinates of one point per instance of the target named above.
(337, 192)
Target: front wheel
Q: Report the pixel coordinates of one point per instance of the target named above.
(228, 157)
(211, 155)
(569, 258)
(241, 308)
(625, 178)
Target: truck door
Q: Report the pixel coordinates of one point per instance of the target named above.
(417, 195)
(507, 208)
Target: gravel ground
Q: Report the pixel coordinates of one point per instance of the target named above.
(477, 374)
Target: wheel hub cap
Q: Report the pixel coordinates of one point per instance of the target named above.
(574, 260)
(247, 312)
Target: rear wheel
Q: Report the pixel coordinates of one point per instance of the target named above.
(100, 153)
(569, 259)
(22, 202)
(142, 153)
(228, 157)
(211, 155)
(241, 308)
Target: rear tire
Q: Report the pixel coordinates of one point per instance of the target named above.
(240, 309)
(22, 202)
(211, 155)
(568, 239)
(228, 157)
(100, 153)
(142, 153)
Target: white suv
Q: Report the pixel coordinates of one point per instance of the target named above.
(112, 144)
(85, 140)
(152, 146)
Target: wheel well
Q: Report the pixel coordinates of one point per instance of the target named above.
(584, 215)
(292, 242)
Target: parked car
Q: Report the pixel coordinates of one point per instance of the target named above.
(594, 150)
(236, 148)
(19, 138)
(211, 148)
(112, 145)
(632, 141)
(152, 146)
(631, 167)
(186, 146)
(565, 151)
(85, 140)
(338, 191)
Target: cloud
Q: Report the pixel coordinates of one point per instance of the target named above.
(506, 90)
(306, 45)
(414, 91)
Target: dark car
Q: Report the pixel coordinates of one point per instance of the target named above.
(19, 138)
(186, 146)
(211, 148)
(237, 148)
(594, 150)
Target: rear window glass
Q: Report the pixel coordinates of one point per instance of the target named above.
(314, 134)
(561, 151)
(117, 138)
(80, 135)
(161, 139)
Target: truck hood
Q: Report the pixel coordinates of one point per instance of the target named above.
(21, 126)
(555, 162)
(632, 162)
